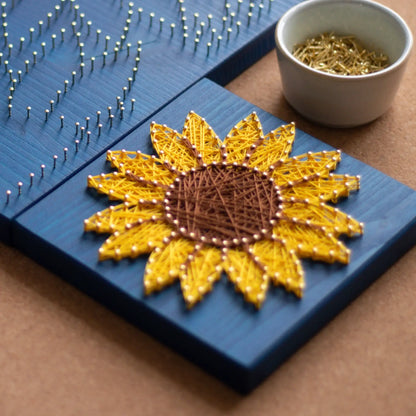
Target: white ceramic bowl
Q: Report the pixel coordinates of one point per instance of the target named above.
(340, 100)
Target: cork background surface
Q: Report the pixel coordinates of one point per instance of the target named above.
(62, 353)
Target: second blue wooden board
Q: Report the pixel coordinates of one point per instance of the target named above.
(223, 334)
(64, 61)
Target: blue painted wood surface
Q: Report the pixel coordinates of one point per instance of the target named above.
(167, 66)
(227, 337)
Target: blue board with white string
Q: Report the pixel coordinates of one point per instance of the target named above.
(78, 76)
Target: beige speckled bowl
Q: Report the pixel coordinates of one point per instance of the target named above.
(339, 100)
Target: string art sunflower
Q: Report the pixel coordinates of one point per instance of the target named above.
(243, 206)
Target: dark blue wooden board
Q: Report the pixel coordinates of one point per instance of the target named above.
(227, 337)
(167, 67)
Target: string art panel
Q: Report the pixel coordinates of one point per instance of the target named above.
(78, 75)
(243, 207)
(224, 334)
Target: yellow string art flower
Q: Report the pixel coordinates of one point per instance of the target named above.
(243, 206)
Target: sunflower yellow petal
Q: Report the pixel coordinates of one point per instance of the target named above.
(332, 188)
(276, 146)
(282, 264)
(202, 271)
(149, 167)
(119, 186)
(312, 243)
(173, 148)
(203, 137)
(166, 263)
(304, 167)
(247, 276)
(118, 158)
(319, 214)
(136, 240)
(241, 137)
(116, 217)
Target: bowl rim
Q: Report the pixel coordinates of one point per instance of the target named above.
(347, 78)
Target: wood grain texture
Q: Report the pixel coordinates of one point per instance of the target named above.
(167, 67)
(239, 345)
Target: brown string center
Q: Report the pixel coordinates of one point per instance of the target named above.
(223, 205)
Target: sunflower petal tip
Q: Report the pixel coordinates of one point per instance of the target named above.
(149, 288)
(260, 298)
(191, 300)
(102, 255)
(299, 293)
(88, 226)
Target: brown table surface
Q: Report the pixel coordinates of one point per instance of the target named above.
(61, 353)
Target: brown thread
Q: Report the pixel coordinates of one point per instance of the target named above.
(215, 204)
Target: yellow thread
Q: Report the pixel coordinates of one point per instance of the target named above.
(164, 265)
(321, 215)
(241, 137)
(325, 189)
(247, 276)
(340, 55)
(202, 271)
(117, 186)
(276, 145)
(312, 243)
(117, 217)
(282, 265)
(200, 134)
(140, 165)
(295, 169)
(170, 144)
(132, 242)
(300, 225)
